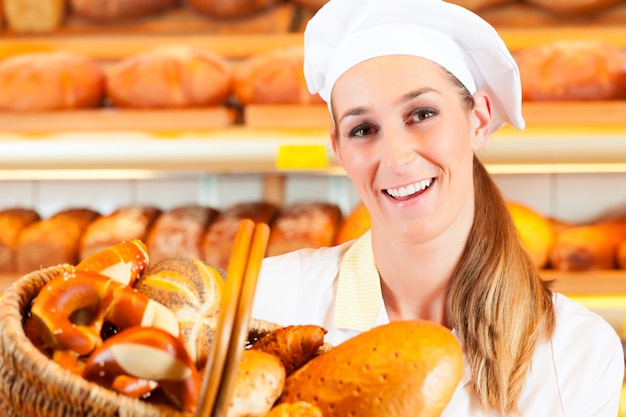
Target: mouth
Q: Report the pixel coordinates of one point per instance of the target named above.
(409, 191)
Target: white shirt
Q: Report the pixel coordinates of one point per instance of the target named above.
(578, 373)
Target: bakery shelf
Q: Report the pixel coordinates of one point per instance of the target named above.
(115, 45)
(575, 137)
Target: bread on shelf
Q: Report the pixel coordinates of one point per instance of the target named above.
(124, 224)
(114, 11)
(53, 240)
(12, 222)
(169, 76)
(178, 232)
(57, 80)
(218, 241)
(573, 70)
(33, 16)
(305, 224)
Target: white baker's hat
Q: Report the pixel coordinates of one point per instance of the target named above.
(344, 33)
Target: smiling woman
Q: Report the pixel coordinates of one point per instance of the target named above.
(414, 90)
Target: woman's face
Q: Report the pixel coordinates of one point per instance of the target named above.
(406, 139)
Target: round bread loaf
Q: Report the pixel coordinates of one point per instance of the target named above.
(230, 8)
(573, 6)
(274, 77)
(535, 231)
(115, 10)
(40, 81)
(171, 76)
(354, 225)
(258, 383)
(479, 5)
(404, 368)
(573, 70)
(192, 290)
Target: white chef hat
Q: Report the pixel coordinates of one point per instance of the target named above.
(344, 33)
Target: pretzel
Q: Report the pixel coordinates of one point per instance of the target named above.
(123, 262)
(150, 354)
(70, 310)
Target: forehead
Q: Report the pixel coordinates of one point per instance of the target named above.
(391, 74)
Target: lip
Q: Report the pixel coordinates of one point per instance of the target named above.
(409, 191)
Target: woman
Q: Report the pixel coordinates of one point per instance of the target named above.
(414, 89)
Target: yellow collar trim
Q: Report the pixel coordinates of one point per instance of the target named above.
(359, 297)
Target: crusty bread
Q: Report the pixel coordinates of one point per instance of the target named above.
(54, 240)
(218, 241)
(404, 368)
(124, 224)
(571, 70)
(258, 383)
(60, 80)
(178, 232)
(305, 224)
(192, 290)
(12, 222)
(354, 224)
(33, 16)
(230, 8)
(587, 247)
(273, 77)
(169, 76)
(117, 10)
(535, 231)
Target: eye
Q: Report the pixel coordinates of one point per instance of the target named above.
(422, 113)
(361, 130)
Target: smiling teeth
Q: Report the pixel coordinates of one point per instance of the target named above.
(410, 189)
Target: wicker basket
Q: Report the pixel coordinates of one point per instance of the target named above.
(33, 385)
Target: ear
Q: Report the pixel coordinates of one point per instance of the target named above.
(334, 143)
(480, 119)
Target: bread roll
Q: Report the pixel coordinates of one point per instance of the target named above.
(124, 224)
(218, 241)
(54, 240)
(304, 225)
(12, 222)
(571, 70)
(354, 225)
(258, 383)
(33, 16)
(535, 231)
(170, 76)
(178, 232)
(574, 6)
(41, 81)
(313, 5)
(587, 247)
(404, 368)
(230, 8)
(192, 290)
(274, 77)
(117, 10)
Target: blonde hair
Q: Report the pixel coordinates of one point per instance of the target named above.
(498, 303)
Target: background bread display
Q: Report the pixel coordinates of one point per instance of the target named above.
(274, 77)
(12, 222)
(230, 8)
(168, 77)
(116, 10)
(40, 81)
(33, 16)
(573, 70)
(54, 240)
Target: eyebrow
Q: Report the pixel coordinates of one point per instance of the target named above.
(405, 97)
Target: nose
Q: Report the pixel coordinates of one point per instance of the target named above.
(397, 149)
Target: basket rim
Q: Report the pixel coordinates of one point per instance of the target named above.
(16, 350)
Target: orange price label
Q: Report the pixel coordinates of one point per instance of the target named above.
(302, 157)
